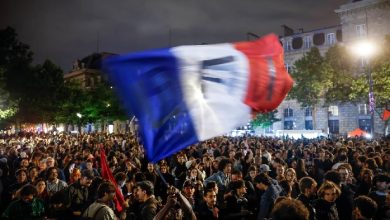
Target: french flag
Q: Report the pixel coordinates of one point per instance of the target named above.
(186, 94)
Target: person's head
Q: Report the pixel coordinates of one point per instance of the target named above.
(150, 167)
(50, 162)
(76, 174)
(89, 164)
(334, 176)
(365, 207)
(27, 193)
(188, 188)
(212, 185)
(236, 175)
(106, 191)
(181, 159)
(289, 209)
(33, 172)
(87, 177)
(225, 166)
(210, 198)
(262, 181)
(21, 175)
(239, 187)
(287, 188)
(344, 174)
(290, 175)
(52, 173)
(366, 175)
(24, 163)
(308, 186)
(144, 190)
(121, 178)
(280, 170)
(381, 182)
(252, 171)
(329, 191)
(40, 185)
(164, 168)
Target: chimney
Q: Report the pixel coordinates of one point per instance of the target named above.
(287, 31)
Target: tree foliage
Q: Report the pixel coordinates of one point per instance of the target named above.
(265, 120)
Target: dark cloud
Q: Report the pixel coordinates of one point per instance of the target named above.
(66, 30)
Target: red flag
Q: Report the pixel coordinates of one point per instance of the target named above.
(107, 174)
(386, 115)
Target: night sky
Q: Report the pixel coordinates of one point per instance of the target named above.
(64, 31)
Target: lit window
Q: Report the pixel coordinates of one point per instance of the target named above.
(361, 30)
(288, 45)
(363, 109)
(333, 110)
(307, 41)
(331, 38)
(288, 112)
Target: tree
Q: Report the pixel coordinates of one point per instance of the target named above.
(265, 120)
(310, 78)
(338, 73)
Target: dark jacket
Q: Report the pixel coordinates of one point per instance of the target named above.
(345, 202)
(325, 210)
(149, 209)
(308, 204)
(204, 213)
(20, 210)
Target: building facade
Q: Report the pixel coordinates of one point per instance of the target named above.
(359, 20)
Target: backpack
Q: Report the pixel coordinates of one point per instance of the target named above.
(95, 214)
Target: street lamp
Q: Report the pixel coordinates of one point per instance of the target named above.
(79, 121)
(365, 50)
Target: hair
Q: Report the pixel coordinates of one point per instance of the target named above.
(289, 209)
(328, 185)
(105, 187)
(147, 186)
(263, 178)
(366, 206)
(236, 172)
(207, 191)
(306, 183)
(237, 184)
(210, 185)
(223, 163)
(334, 176)
(20, 171)
(28, 190)
(371, 163)
(287, 189)
(120, 176)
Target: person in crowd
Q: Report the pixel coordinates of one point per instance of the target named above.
(325, 205)
(308, 188)
(40, 185)
(78, 197)
(381, 182)
(365, 208)
(208, 210)
(289, 209)
(163, 183)
(145, 195)
(53, 184)
(271, 191)
(100, 209)
(364, 182)
(21, 180)
(32, 174)
(27, 207)
(176, 208)
(222, 178)
(236, 203)
(291, 178)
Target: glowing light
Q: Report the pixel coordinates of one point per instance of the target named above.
(364, 48)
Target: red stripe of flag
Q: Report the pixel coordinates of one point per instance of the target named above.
(386, 115)
(107, 174)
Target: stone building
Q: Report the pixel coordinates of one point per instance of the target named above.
(359, 20)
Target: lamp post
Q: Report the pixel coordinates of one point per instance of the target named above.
(365, 50)
(79, 124)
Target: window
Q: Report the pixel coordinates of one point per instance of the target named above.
(269, 129)
(288, 112)
(365, 124)
(308, 112)
(333, 110)
(288, 125)
(309, 124)
(333, 126)
(307, 41)
(288, 67)
(287, 46)
(361, 30)
(331, 38)
(363, 109)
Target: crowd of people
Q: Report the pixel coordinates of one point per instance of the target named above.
(58, 176)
